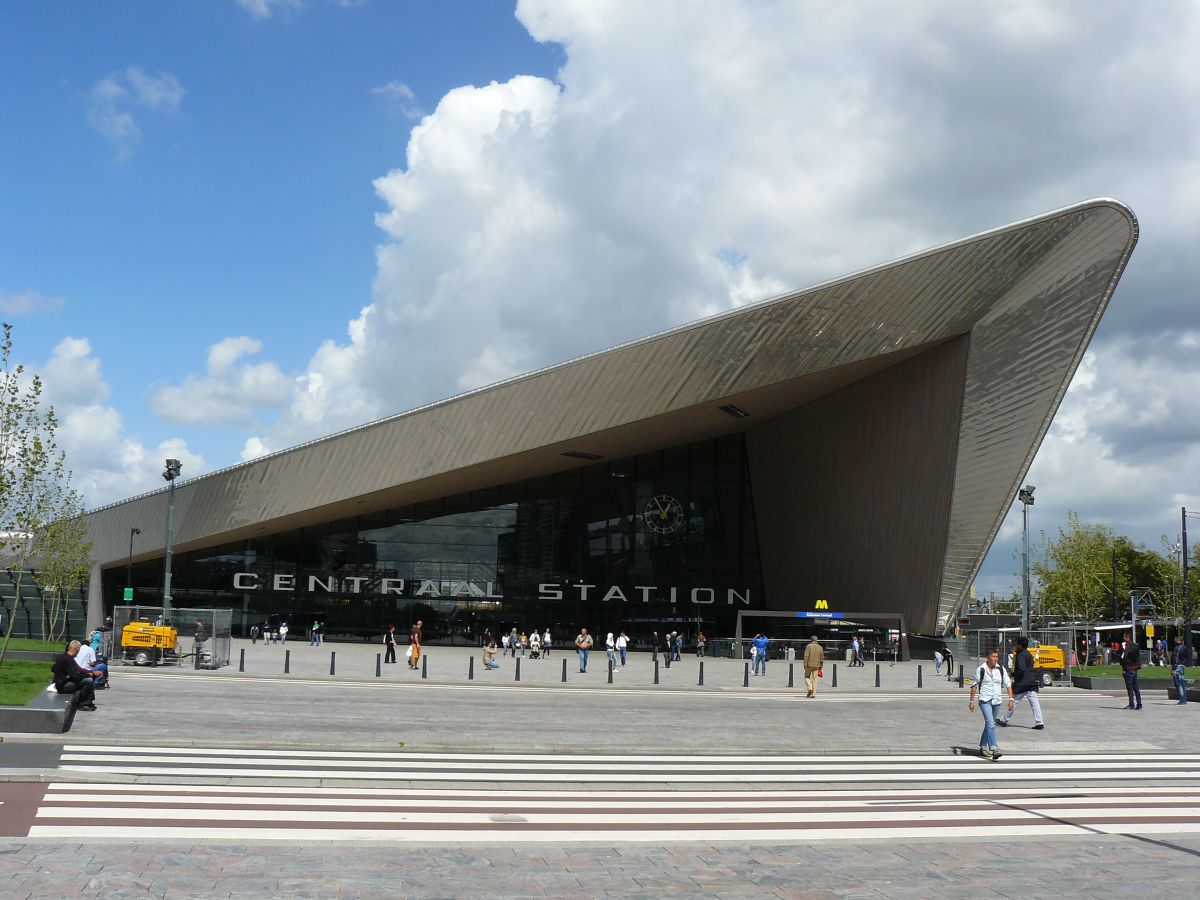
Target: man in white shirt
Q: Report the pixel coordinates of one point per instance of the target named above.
(991, 684)
(86, 660)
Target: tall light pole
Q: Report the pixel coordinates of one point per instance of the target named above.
(1187, 594)
(129, 566)
(1026, 497)
(171, 472)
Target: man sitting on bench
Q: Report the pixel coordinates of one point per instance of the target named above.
(70, 679)
(87, 660)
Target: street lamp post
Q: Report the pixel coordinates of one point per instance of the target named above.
(129, 566)
(1026, 497)
(170, 473)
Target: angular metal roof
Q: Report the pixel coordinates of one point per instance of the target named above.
(1029, 295)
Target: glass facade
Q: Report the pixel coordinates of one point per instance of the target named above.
(661, 541)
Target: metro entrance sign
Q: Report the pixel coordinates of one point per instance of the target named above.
(128, 595)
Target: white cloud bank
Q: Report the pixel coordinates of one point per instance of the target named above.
(107, 463)
(693, 158)
(231, 391)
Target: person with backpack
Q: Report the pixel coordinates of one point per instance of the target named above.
(1025, 685)
(991, 683)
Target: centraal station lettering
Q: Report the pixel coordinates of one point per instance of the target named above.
(486, 590)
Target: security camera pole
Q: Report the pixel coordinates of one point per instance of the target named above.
(171, 472)
(1026, 497)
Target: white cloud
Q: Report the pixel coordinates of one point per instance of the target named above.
(230, 393)
(400, 97)
(26, 303)
(107, 462)
(113, 99)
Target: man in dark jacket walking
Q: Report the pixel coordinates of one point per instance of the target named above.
(1025, 685)
(1131, 661)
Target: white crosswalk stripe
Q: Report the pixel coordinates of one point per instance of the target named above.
(377, 767)
(143, 812)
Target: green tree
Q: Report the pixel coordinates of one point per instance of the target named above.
(64, 553)
(1075, 570)
(35, 492)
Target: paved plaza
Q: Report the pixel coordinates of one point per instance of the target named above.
(218, 783)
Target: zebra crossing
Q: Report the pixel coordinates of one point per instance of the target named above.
(223, 793)
(224, 812)
(510, 769)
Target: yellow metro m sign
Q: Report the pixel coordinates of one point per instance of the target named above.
(822, 604)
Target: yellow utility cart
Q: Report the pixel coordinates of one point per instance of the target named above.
(146, 644)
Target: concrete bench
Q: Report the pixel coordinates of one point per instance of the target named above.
(47, 713)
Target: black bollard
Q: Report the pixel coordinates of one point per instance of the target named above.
(287, 662)
(919, 676)
(378, 667)
(876, 674)
(564, 670)
(471, 669)
(242, 661)
(518, 669)
(701, 682)
(332, 662)
(424, 664)
(746, 676)
(610, 667)
(960, 675)
(791, 674)
(656, 671)
(834, 682)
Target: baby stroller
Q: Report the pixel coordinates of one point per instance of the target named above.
(535, 651)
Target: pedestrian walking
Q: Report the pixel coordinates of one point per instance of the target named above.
(524, 640)
(855, 652)
(1178, 661)
(701, 641)
(1026, 682)
(937, 661)
(622, 647)
(610, 646)
(814, 661)
(414, 644)
(253, 634)
(389, 644)
(504, 643)
(678, 647)
(758, 650)
(583, 645)
(283, 632)
(992, 682)
(546, 643)
(314, 636)
(654, 646)
(1131, 661)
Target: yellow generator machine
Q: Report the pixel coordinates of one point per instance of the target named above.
(1049, 661)
(145, 644)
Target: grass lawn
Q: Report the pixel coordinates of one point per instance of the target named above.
(1145, 673)
(19, 643)
(20, 681)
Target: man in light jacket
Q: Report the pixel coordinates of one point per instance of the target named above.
(814, 661)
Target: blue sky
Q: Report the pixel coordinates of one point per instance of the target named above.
(233, 225)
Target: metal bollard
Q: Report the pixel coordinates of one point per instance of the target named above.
(564, 670)
(610, 668)
(287, 662)
(656, 671)
(791, 674)
(960, 675)
(242, 661)
(919, 676)
(424, 664)
(332, 662)
(378, 667)
(833, 683)
(876, 674)
(701, 682)
(746, 676)
(518, 669)
(471, 669)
